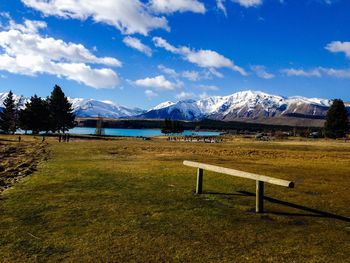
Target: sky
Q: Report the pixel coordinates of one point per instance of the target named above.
(139, 53)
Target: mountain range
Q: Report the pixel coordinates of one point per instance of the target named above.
(245, 106)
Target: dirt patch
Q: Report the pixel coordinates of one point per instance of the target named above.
(18, 160)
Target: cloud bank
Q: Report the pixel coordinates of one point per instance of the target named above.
(26, 52)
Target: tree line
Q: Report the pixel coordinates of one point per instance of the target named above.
(53, 114)
(172, 126)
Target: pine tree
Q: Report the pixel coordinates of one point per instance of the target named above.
(8, 117)
(337, 122)
(35, 116)
(166, 126)
(61, 112)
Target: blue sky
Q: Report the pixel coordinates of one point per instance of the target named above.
(140, 53)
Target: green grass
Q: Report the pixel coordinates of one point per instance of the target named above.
(132, 201)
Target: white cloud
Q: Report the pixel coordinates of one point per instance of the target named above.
(138, 45)
(203, 95)
(248, 3)
(218, 74)
(190, 95)
(191, 75)
(318, 72)
(131, 16)
(208, 87)
(220, 4)
(185, 95)
(158, 82)
(301, 72)
(26, 52)
(160, 42)
(29, 26)
(171, 6)
(337, 46)
(261, 72)
(337, 73)
(150, 94)
(169, 71)
(202, 58)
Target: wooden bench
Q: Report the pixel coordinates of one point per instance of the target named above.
(260, 180)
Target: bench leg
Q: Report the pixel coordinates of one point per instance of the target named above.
(259, 208)
(199, 187)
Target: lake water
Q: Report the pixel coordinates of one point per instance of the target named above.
(135, 132)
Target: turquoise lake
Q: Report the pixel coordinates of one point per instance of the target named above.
(136, 132)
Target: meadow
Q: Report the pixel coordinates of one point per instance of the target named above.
(129, 200)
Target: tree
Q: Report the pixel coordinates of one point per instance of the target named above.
(9, 115)
(61, 112)
(177, 127)
(166, 129)
(337, 122)
(35, 116)
(170, 126)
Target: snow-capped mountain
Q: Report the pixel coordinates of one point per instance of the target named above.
(107, 109)
(242, 106)
(18, 99)
(84, 108)
(247, 106)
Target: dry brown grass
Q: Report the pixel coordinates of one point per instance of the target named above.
(132, 201)
(19, 159)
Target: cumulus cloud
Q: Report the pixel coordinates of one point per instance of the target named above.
(202, 58)
(261, 72)
(130, 17)
(158, 82)
(26, 52)
(248, 3)
(318, 72)
(338, 46)
(171, 6)
(138, 45)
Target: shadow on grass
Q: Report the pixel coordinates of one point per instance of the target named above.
(316, 213)
(8, 140)
(218, 193)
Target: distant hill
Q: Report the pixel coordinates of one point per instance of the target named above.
(90, 108)
(245, 106)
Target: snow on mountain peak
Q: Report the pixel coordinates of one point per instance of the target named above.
(163, 105)
(91, 108)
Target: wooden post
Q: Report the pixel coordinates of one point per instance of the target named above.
(259, 197)
(199, 188)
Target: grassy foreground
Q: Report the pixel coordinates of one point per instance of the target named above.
(132, 201)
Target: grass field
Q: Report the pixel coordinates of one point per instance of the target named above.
(128, 200)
